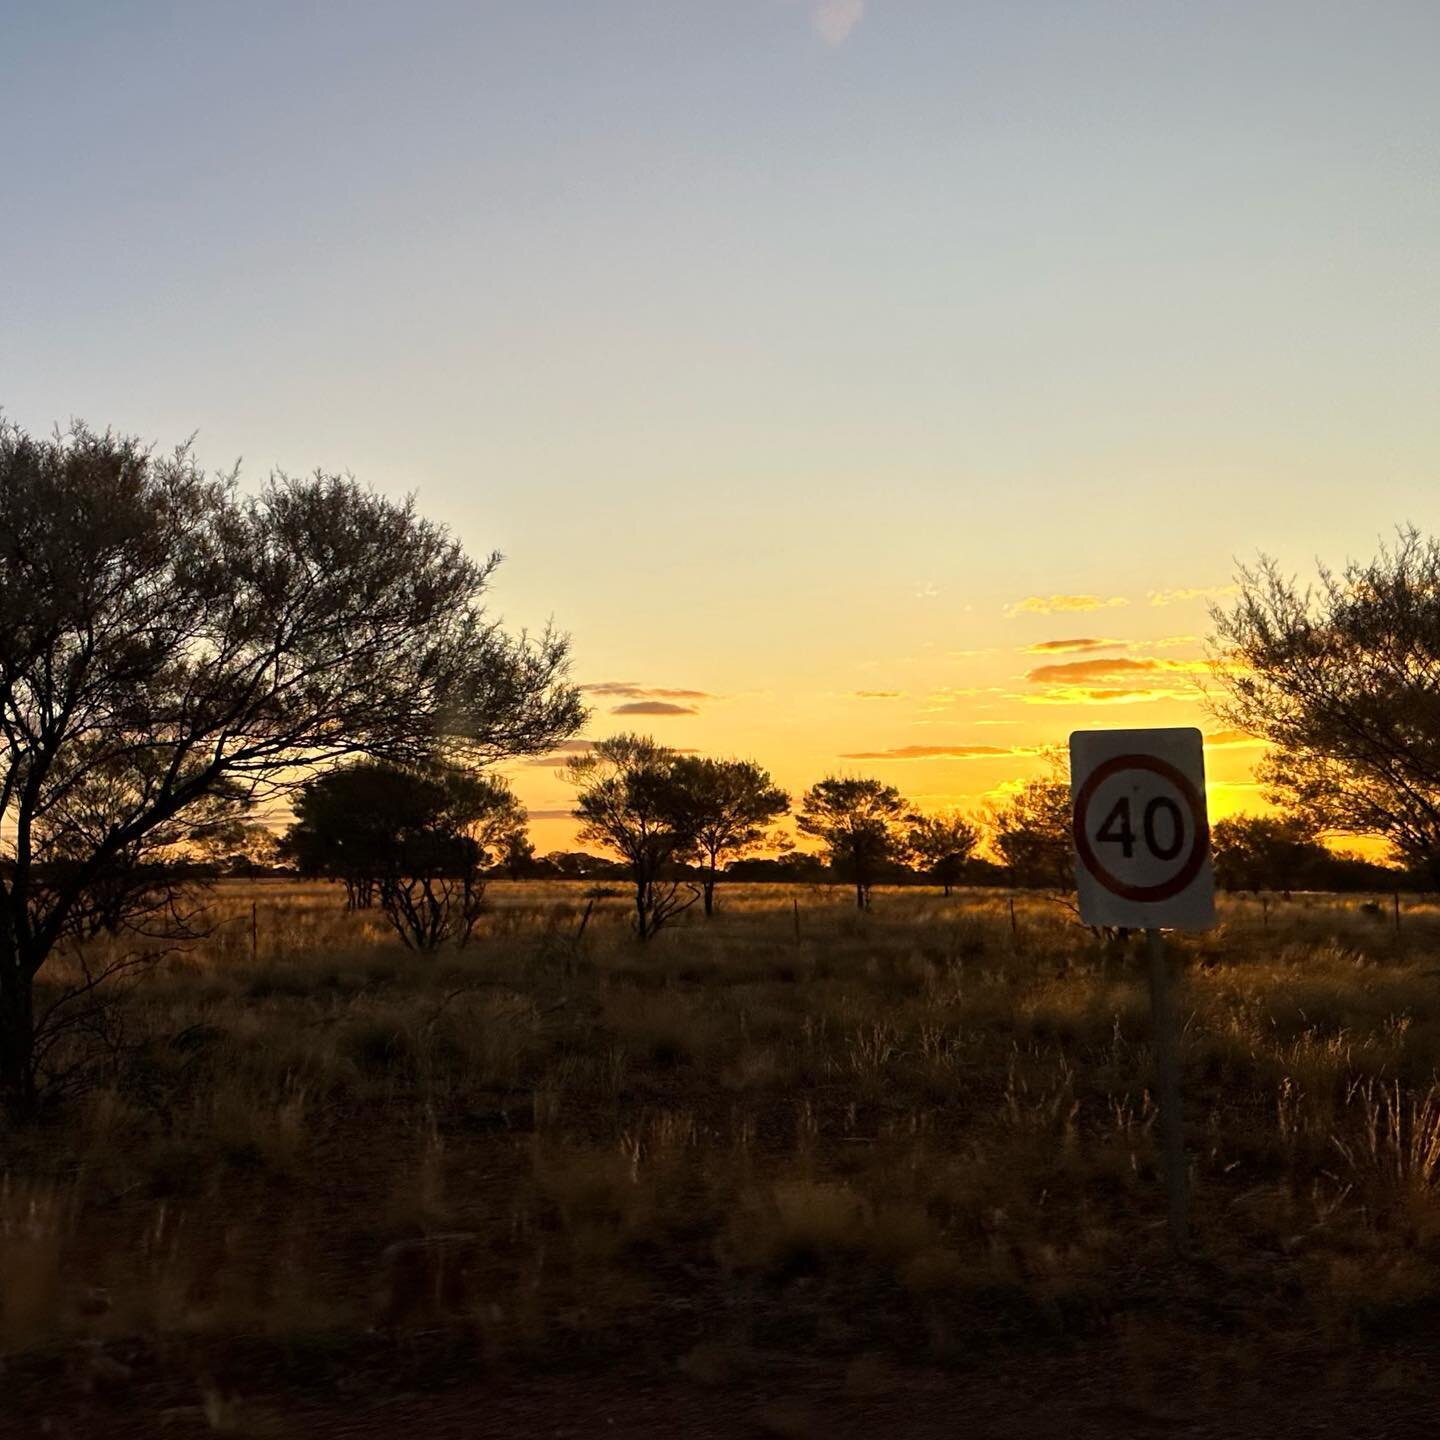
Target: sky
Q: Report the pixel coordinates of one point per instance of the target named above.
(839, 375)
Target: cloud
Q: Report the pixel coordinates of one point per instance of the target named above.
(835, 19)
(1057, 647)
(1166, 642)
(654, 707)
(558, 756)
(948, 695)
(878, 694)
(1191, 592)
(942, 752)
(1231, 740)
(550, 814)
(1114, 667)
(1106, 695)
(1058, 604)
(629, 690)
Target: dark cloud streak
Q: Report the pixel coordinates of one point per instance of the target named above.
(654, 707)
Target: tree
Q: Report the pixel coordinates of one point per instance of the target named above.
(173, 650)
(344, 827)
(1267, 852)
(448, 830)
(1342, 678)
(631, 802)
(862, 824)
(517, 853)
(728, 805)
(1031, 833)
(416, 838)
(577, 865)
(944, 844)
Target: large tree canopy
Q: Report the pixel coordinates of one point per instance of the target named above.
(1343, 679)
(172, 649)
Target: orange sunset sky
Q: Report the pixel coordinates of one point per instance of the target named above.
(873, 386)
(951, 727)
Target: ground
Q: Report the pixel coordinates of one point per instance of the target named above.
(794, 1171)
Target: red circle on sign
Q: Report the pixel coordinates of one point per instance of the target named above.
(1166, 889)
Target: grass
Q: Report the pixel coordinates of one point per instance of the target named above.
(909, 1138)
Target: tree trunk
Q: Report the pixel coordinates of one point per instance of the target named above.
(861, 898)
(17, 1038)
(642, 909)
(708, 886)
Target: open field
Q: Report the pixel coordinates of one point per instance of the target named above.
(796, 1171)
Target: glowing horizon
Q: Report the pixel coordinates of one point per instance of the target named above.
(959, 763)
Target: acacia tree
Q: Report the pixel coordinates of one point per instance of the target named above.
(863, 825)
(1031, 833)
(343, 826)
(1343, 679)
(631, 802)
(1267, 852)
(172, 650)
(728, 807)
(418, 838)
(517, 852)
(944, 843)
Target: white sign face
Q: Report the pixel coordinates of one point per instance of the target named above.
(1142, 840)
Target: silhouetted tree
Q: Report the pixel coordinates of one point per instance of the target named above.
(862, 824)
(579, 865)
(1267, 852)
(798, 867)
(1343, 679)
(728, 807)
(944, 844)
(344, 827)
(1031, 833)
(417, 838)
(170, 648)
(517, 853)
(631, 802)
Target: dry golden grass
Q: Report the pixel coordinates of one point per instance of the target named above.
(908, 1134)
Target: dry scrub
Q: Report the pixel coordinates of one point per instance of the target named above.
(914, 1137)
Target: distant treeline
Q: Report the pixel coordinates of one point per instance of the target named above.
(1317, 870)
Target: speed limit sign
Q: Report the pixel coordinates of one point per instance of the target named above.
(1142, 841)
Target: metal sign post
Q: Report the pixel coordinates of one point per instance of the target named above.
(1167, 1065)
(1142, 846)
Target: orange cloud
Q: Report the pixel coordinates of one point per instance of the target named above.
(1059, 647)
(1055, 604)
(1231, 740)
(1079, 672)
(878, 694)
(1081, 695)
(1191, 592)
(942, 752)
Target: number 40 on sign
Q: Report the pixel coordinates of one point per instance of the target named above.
(1142, 840)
